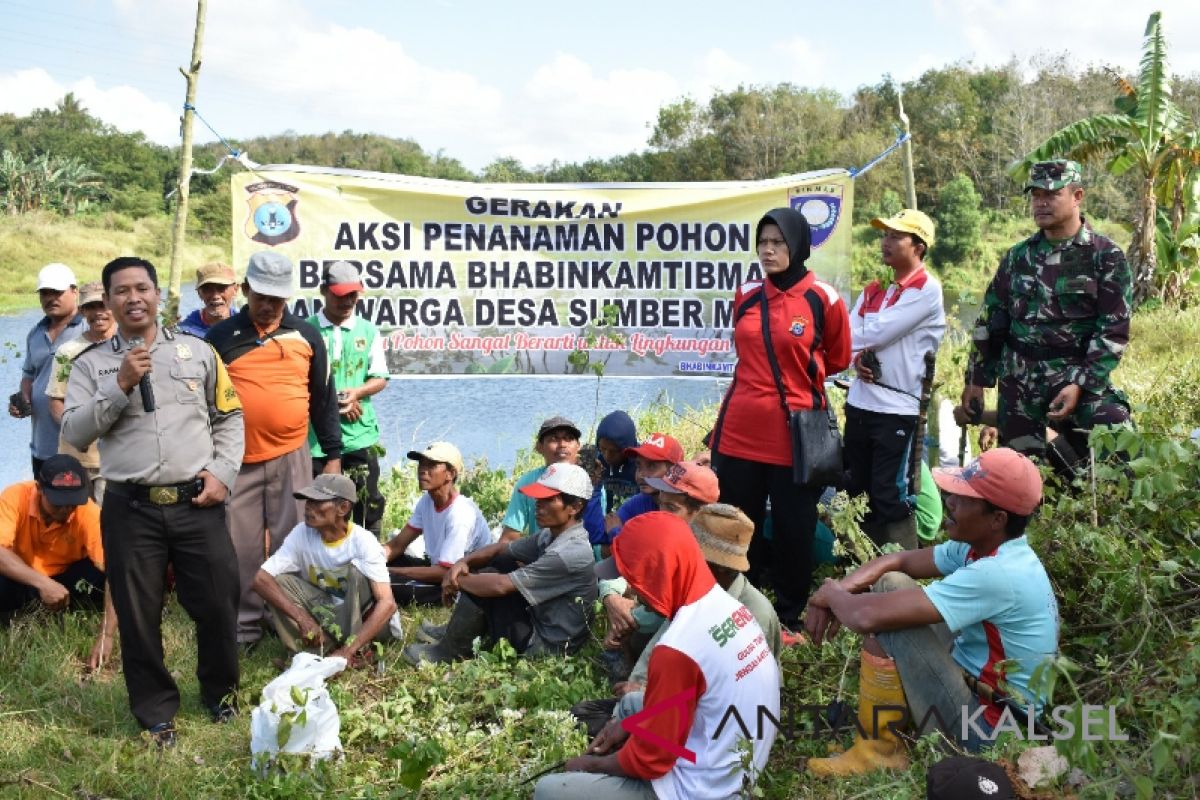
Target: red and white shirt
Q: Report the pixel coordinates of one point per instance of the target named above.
(811, 336)
(900, 323)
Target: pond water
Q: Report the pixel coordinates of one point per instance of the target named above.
(492, 417)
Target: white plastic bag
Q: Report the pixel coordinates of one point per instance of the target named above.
(296, 714)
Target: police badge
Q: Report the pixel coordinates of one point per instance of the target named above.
(272, 216)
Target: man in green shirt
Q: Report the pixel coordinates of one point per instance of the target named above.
(359, 372)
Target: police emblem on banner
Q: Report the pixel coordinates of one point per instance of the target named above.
(823, 212)
(798, 325)
(272, 216)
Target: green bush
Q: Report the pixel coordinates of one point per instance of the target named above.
(959, 222)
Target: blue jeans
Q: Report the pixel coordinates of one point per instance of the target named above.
(937, 695)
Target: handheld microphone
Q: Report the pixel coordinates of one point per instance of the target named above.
(144, 385)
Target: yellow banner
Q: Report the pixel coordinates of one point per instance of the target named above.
(537, 278)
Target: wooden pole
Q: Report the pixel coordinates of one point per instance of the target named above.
(910, 186)
(192, 76)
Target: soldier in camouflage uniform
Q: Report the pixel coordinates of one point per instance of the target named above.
(1054, 322)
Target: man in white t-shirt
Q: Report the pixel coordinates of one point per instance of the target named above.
(450, 523)
(327, 584)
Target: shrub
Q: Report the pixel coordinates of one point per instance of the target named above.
(959, 222)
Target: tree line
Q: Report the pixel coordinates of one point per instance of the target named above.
(969, 123)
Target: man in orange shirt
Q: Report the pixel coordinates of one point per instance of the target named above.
(280, 368)
(50, 544)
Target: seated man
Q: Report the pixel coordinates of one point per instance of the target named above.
(327, 584)
(653, 457)
(724, 534)
(557, 443)
(714, 656)
(681, 490)
(945, 648)
(50, 545)
(451, 524)
(537, 591)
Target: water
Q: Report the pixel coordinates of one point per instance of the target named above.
(489, 417)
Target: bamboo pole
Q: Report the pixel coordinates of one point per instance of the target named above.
(910, 186)
(192, 76)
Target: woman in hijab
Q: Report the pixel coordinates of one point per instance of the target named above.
(751, 442)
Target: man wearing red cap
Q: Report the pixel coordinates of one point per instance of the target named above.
(946, 648)
(360, 371)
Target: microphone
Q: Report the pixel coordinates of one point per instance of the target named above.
(144, 385)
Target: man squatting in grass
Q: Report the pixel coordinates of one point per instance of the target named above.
(537, 591)
(450, 524)
(50, 544)
(991, 616)
(327, 584)
(713, 656)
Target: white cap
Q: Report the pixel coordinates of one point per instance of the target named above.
(561, 479)
(57, 277)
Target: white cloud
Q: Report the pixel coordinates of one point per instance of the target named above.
(566, 111)
(123, 107)
(805, 64)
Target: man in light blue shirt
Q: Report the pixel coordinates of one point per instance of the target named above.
(961, 651)
(59, 296)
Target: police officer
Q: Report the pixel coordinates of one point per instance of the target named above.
(169, 426)
(1054, 322)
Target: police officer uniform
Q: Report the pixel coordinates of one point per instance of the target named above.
(1055, 313)
(151, 460)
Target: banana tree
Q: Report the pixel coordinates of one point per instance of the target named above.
(1152, 136)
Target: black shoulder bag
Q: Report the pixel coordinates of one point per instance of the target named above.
(816, 440)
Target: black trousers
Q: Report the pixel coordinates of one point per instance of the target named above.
(878, 448)
(507, 616)
(407, 592)
(362, 467)
(139, 540)
(15, 595)
(787, 559)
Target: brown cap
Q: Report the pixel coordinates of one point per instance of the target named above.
(215, 272)
(91, 293)
(724, 534)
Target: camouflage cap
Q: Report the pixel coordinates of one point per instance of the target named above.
(1054, 174)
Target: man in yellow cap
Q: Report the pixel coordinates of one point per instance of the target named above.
(892, 326)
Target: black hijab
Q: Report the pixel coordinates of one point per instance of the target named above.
(798, 236)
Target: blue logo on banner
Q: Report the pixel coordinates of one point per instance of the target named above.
(823, 211)
(273, 219)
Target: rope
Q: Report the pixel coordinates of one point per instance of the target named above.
(901, 138)
(234, 152)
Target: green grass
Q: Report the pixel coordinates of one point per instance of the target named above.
(85, 243)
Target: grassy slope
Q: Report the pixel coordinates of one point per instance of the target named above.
(85, 244)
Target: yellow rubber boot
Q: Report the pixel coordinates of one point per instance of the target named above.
(879, 685)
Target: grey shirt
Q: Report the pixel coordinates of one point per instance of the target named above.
(38, 366)
(558, 582)
(196, 424)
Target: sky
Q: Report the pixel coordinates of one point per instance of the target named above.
(533, 80)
